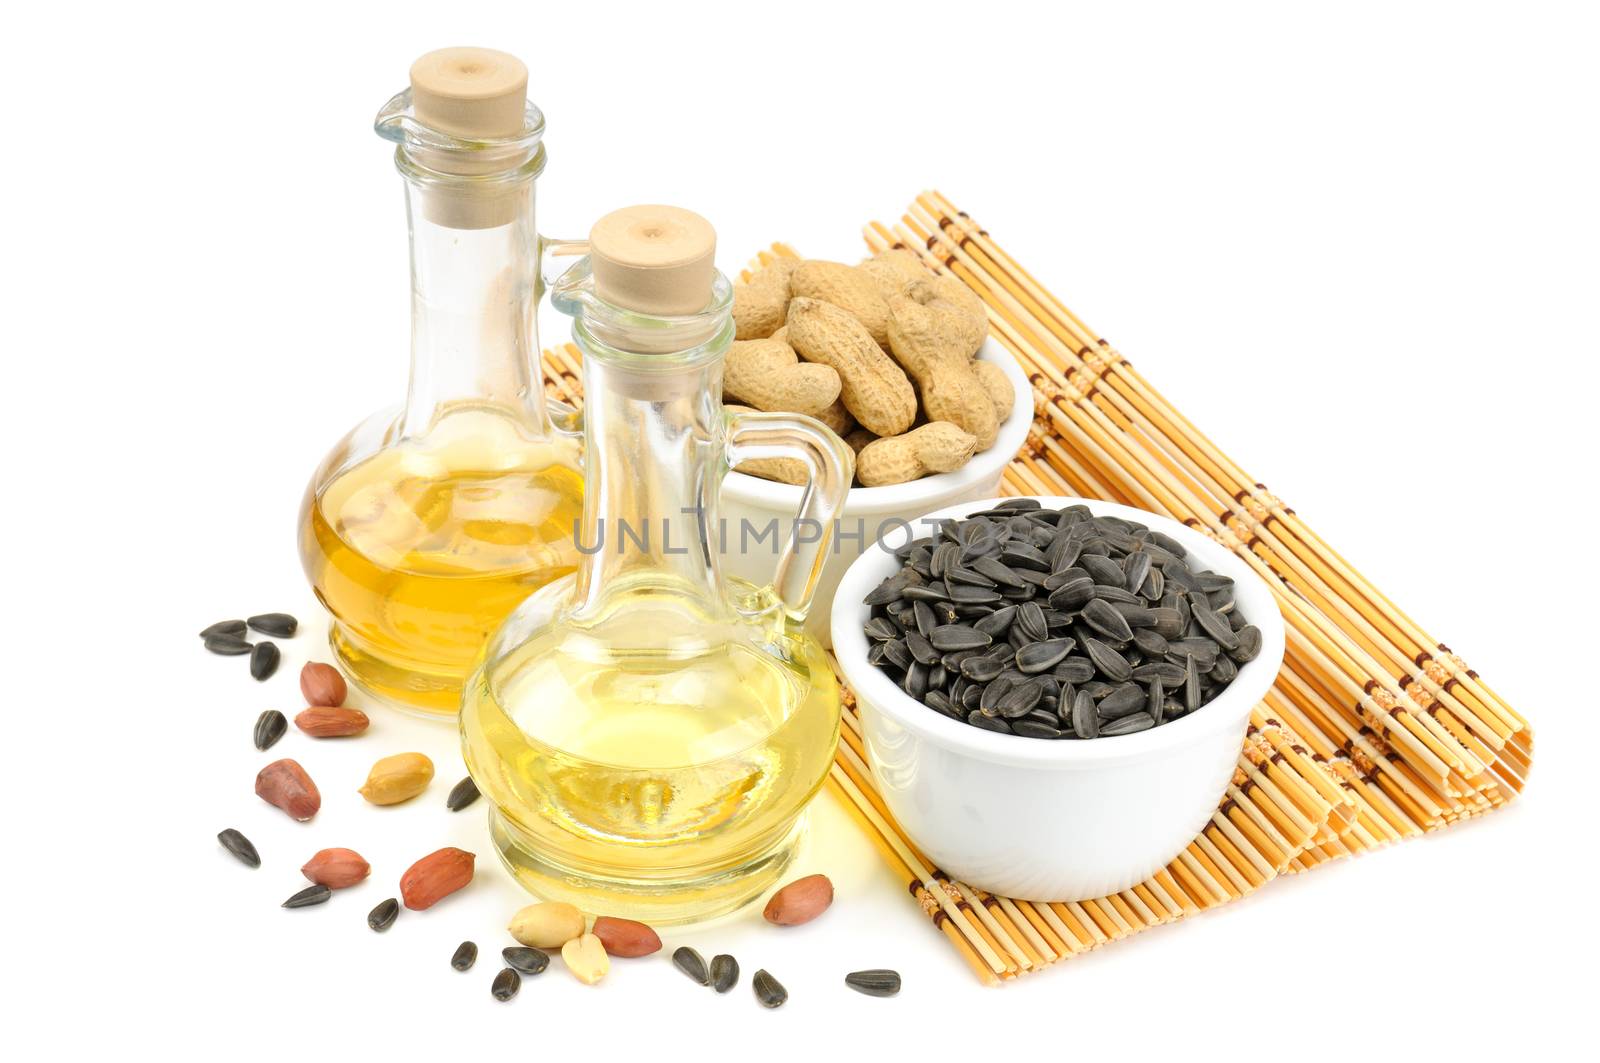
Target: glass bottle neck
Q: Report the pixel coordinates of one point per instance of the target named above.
(474, 297)
(652, 468)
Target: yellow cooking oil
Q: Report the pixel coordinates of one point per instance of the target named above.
(421, 550)
(654, 763)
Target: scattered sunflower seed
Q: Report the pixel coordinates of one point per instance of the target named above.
(227, 645)
(224, 627)
(692, 964)
(769, 990)
(270, 726)
(462, 794)
(465, 956)
(875, 983)
(524, 959)
(240, 847)
(505, 984)
(382, 916)
(264, 659)
(278, 625)
(724, 972)
(307, 897)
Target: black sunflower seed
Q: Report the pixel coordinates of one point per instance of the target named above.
(1035, 728)
(1214, 625)
(724, 972)
(896, 653)
(966, 594)
(227, 645)
(465, 956)
(1073, 593)
(884, 593)
(1149, 642)
(1191, 686)
(270, 726)
(1107, 661)
(921, 649)
(1156, 703)
(1125, 699)
(769, 990)
(1169, 623)
(1204, 652)
(692, 964)
(524, 959)
(1135, 567)
(1127, 725)
(880, 629)
(875, 983)
(1020, 700)
(1042, 656)
(462, 794)
(993, 693)
(982, 669)
(505, 984)
(382, 916)
(264, 659)
(978, 718)
(1105, 571)
(916, 681)
(958, 637)
(278, 625)
(1085, 717)
(1105, 619)
(1074, 670)
(307, 897)
(971, 577)
(240, 847)
(1030, 623)
(997, 573)
(940, 702)
(224, 627)
(998, 622)
(1249, 647)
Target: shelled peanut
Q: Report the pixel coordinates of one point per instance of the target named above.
(883, 353)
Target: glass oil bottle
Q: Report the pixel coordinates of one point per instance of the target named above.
(424, 528)
(648, 733)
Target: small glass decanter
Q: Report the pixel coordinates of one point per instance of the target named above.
(648, 734)
(424, 527)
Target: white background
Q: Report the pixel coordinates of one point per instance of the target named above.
(1357, 246)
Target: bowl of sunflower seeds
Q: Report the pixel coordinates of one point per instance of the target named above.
(1053, 691)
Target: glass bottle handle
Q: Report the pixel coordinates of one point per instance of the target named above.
(829, 465)
(549, 247)
(564, 419)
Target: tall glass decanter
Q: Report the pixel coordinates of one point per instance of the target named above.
(649, 733)
(425, 526)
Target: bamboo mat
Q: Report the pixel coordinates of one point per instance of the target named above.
(1374, 731)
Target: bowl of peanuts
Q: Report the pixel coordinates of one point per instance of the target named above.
(895, 360)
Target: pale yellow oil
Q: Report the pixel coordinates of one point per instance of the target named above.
(420, 551)
(649, 766)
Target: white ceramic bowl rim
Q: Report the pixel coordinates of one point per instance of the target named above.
(778, 496)
(1225, 712)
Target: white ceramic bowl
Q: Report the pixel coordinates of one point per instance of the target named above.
(870, 512)
(1053, 820)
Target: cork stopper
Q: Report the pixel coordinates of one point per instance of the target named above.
(473, 93)
(653, 259)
